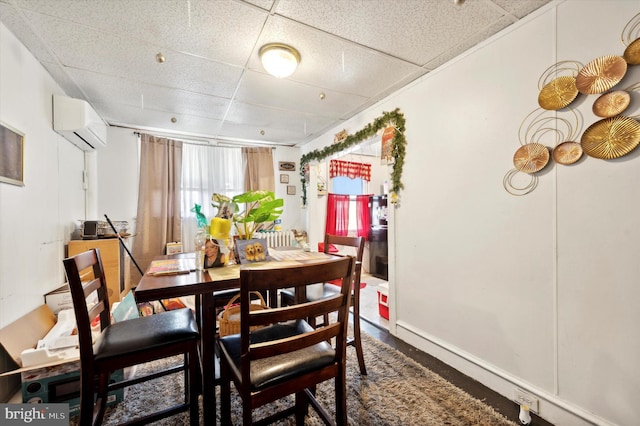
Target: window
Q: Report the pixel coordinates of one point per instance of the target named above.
(345, 185)
(207, 170)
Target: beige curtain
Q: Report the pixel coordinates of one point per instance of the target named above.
(258, 169)
(158, 217)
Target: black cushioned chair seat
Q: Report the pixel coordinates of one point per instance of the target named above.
(269, 371)
(144, 333)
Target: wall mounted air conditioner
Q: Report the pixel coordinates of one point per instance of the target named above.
(78, 122)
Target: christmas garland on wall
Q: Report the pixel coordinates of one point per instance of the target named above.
(394, 118)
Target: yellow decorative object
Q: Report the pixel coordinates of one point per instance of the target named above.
(220, 228)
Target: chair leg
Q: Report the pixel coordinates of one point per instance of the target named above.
(357, 341)
(341, 397)
(102, 396)
(192, 382)
(225, 394)
(302, 407)
(87, 386)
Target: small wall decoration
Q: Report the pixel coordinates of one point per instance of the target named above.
(11, 155)
(287, 166)
(387, 146)
(340, 136)
(291, 190)
(284, 178)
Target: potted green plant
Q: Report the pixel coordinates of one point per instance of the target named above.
(250, 210)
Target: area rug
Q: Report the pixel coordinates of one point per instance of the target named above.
(397, 391)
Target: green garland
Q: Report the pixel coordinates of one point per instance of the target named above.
(398, 150)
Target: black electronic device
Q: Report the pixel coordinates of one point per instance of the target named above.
(90, 230)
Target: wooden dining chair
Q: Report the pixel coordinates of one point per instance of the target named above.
(332, 244)
(127, 343)
(285, 355)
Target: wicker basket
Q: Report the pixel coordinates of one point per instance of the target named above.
(229, 318)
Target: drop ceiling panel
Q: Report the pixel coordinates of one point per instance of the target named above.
(107, 89)
(331, 63)
(223, 30)
(139, 118)
(264, 89)
(416, 32)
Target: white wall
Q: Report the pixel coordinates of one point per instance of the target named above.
(539, 291)
(36, 220)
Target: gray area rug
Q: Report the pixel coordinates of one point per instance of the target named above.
(397, 391)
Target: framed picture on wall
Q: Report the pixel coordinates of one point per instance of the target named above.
(291, 190)
(284, 178)
(11, 155)
(287, 166)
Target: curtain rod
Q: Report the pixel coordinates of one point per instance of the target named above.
(197, 140)
(206, 142)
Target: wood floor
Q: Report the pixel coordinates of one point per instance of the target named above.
(377, 327)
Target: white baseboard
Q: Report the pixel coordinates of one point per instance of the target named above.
(551, 407)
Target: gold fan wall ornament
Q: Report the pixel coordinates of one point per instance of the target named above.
(631, 38)
(567, 153)
(558, 94)
(611, 137)
(531, 157)
(612, 103)
(632, 53)
(601, 74)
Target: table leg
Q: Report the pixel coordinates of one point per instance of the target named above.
(207, 334)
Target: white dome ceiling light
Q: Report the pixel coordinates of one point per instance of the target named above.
(279, 60)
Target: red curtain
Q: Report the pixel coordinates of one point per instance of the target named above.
(363, 213)
(337, 214)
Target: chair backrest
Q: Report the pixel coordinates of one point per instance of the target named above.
(338, 240)
(356, 242)
(270, 278)
(90, 298)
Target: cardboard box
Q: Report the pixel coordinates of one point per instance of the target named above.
(59, 299)
(61, 384)
(383, 300)
(50, 381)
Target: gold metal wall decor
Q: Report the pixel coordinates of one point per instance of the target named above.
(567, 153)
(611, 137)
(611, 103)
(601, 74)
(557, 92)
(631, 39)
(531, 158)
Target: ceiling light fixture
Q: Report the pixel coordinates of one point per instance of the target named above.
(279, 60)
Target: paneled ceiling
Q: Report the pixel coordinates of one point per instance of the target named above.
(211, 85)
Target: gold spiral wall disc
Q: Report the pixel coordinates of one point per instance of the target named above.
(531, 157)
(611, 137)
(612, 103)
(567, 153)
(558, 93)
(632, 53)
(601, 74)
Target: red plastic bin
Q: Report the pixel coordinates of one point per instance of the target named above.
(383, 303)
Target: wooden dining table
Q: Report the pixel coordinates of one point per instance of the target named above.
(203, 284)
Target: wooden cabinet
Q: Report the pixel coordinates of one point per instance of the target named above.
(115, 261)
